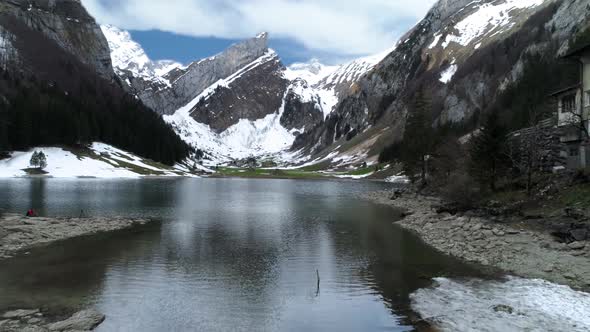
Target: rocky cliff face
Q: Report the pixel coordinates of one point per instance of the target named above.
(68, 24)
(301, 111)
(462, 54)
(250, 94)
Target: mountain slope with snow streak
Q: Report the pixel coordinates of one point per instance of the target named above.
(447, 54)
(246, 138)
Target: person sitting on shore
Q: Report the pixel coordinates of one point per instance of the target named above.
(31, 213)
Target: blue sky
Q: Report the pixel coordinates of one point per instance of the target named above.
(330, 30)
(160, 45)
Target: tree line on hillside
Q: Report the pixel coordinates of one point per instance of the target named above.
(463, 166)
(37, 113)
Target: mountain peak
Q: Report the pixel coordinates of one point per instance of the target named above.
(262, 35)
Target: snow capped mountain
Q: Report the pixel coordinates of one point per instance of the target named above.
(129, 56)
(238, 108)
(245, 138)
(328, 84)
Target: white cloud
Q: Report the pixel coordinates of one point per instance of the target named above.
(338, 26)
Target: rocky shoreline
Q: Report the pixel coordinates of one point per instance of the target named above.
(19, 233)
(509, 246)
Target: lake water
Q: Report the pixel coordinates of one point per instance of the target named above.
(224, 255)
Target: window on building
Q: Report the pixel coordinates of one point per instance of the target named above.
(568, 104)
(587, 98)
(574, 152)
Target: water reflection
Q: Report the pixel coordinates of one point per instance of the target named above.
(228, 255)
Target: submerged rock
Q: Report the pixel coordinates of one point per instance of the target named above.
(504, 308)
(84, 320)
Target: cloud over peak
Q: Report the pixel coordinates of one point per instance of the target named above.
(336, 26)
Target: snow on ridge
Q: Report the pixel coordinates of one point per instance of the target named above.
(128, 55)
(354, 70)
(226, 82)
(312, 72)
(487, 19)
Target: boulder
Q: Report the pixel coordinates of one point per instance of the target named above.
(84, 320)
(579, 234)
(498, 232)
(576, 245)
(487, 233)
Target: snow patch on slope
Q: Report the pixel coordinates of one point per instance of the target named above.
(127, 55)
(488, 19)
(244, 139)
(469, 306)
(110, 163)
(447, 75)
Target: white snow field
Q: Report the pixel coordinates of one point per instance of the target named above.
(537, 306)
(108, 162)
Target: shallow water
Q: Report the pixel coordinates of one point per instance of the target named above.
(225, 254)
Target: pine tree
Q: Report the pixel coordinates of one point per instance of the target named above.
(42, 160)
(34, 162)
(418, 142)
(488, 152)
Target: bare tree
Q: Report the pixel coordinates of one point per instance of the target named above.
(530, 150)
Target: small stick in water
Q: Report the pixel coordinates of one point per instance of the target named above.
(318, 288)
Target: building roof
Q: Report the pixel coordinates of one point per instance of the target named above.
(565, 90)
(578, 52)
